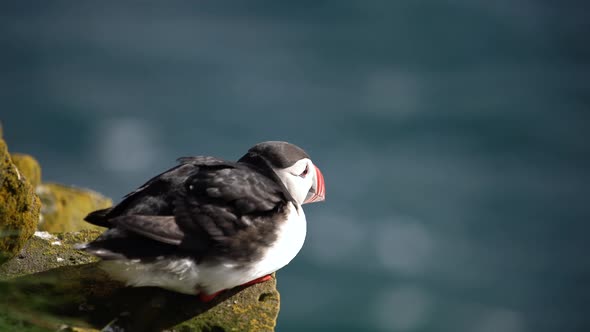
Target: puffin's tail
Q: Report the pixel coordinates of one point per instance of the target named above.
(99, 217)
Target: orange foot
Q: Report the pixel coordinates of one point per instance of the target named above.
(204, 297)
(258, 280)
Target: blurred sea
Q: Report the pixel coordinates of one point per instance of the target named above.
(452, 135)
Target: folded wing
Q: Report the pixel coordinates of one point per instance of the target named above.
(202, 207)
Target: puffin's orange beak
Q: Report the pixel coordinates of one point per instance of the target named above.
(319, 189)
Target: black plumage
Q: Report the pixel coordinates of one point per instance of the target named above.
(204, 208)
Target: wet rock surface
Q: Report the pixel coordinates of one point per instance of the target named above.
(52, 285)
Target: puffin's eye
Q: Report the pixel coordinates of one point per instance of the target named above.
(304, 171)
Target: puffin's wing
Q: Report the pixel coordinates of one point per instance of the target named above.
(230, 210)
(223, 200)
(160, 228)
(154, 197)
(200, 206)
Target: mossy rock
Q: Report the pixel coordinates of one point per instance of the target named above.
(51, 285)
(63, 207)
(19, 207)
(45, 251)
(29, 167)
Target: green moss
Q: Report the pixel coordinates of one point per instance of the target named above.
(19, 207)
(44, 252)
(252, 309)
(11, 323)
(29, 167)
(64, 208)
(41, 290)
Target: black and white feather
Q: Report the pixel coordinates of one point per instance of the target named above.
(209, 224)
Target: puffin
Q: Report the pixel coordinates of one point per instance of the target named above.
(208, 225)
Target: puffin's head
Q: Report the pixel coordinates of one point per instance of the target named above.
(301, 177)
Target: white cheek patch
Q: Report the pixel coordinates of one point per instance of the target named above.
(299, 167)
(298, 186)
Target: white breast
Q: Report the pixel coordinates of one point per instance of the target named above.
(290, 238)
(185, 276)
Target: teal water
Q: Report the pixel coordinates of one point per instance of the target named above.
(452, 135)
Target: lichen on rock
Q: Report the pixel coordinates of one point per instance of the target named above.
(41, 290)
(63, 207)
(28, 166)
(19, 207)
